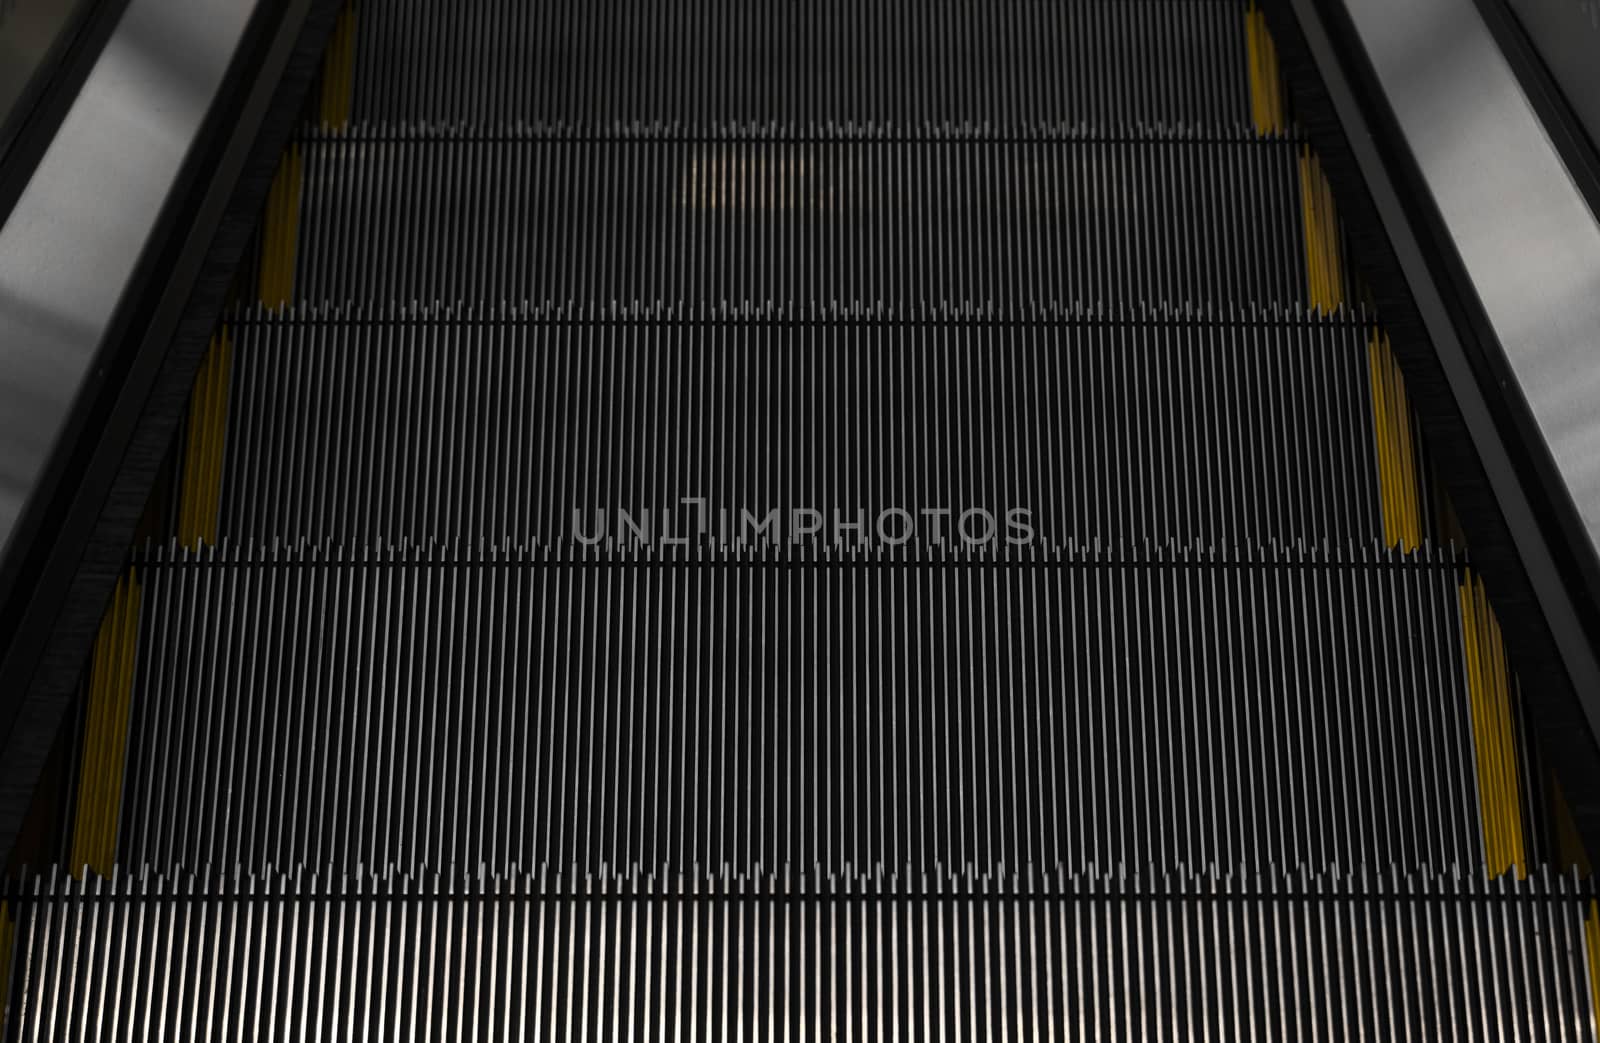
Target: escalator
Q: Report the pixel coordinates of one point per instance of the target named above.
(803, 521)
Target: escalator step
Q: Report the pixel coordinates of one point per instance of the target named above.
(447, 714)
(444, 424)
(807, 225)
(592, 65)
(1330, 956)
(455, 706)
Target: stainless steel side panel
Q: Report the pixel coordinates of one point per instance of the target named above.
(77, 232)
(1526, 236)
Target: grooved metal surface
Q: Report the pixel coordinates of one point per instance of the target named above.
(804, 222)
(500, 424)
(1087, 955)
(413, 750)
(451, 708)
(818, 67)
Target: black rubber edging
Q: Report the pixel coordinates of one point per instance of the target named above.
(144, 395)
(1562, 727)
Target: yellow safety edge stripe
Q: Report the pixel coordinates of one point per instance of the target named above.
(1399, 497)
(1320, 222)
(1490, 694)
(339, 73)
(1412, 483)
(200, 484)
(1591, 943)
(1571, 852)
(280, 227)
(105, 732)
(1380, 441)
(1330, 239)
(1266, 83)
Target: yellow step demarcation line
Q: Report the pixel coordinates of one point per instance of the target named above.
(1591, 945)
(105, 732)
(339, 73)
(280, 231)
(1267, 110)
(1490, 691)
(1399, 499)
(1571, 852)
(1320, 220)
(200, 488)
